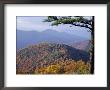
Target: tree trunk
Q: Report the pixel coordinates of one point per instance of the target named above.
(92, 54)
(92, 48)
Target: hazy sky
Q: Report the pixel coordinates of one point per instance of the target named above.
(36, 23)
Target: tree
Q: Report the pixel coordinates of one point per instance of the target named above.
(80, 21)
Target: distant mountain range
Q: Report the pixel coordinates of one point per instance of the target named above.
(27, 38)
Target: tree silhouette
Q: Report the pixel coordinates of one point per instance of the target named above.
(80, 21)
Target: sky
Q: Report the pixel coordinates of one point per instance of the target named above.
(35, 23)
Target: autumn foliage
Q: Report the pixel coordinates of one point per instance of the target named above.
(66, 67)
(52, 59)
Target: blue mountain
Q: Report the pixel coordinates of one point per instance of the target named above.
(27, 38)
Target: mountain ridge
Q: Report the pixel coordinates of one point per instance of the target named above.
(24, 38)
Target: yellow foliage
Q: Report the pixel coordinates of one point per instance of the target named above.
(52, 69)
(66, 67)
(82, 67)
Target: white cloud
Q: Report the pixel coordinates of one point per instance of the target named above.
(26, 25)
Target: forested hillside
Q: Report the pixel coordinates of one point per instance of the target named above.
(52, 58)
